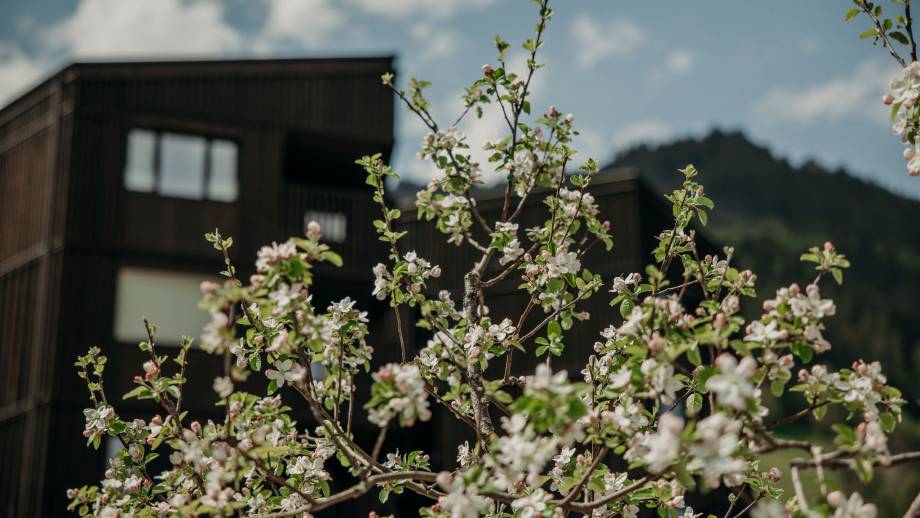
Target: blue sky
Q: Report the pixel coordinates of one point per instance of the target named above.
(789, 73)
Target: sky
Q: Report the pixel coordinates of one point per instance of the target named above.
(790, 74)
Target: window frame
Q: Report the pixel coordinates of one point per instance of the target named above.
(208, 133)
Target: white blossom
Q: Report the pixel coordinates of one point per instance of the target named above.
(732, 385)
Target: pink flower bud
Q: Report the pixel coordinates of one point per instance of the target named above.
(656, 344)
(208, 287)
(487, 70)
(887, 100)
(720, 321)
(314, 231)
(828, 246)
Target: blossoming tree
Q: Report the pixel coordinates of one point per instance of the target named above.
(672, 400)
(896, 35)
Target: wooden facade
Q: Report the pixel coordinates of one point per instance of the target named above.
(69, 224)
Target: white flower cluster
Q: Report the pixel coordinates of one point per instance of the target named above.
(510, 245)
(442, 140)
(97, 421)
(905, 91)
(488, 337)
(343, 333)
(790, 310)
(286, 371)
(716, 438)
(577, 203)
(659, 449)
(852, 507)
(412, 272)
(536, 505)
(520, 455)
(732, 385)
(403, 396)
(522, 169)
(269, 255)
(625, 284)
(461, 500)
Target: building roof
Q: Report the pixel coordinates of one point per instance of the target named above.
(204, 68)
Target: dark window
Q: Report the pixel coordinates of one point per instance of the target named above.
(181, 165)
(323, 161)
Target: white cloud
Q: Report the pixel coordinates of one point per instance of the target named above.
(680, 62)
(591, 143)
(647, 131)
(18, 71)
(434, 43)
(107, 28)
(407, 8)
(307, 21)
(856, 93)
(596, 41)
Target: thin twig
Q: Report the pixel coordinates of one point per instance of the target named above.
(881, 34)
(914, 510)
(584, 478)
(799, 492)
(908, 28)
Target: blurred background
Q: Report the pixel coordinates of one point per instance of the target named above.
(181, 116)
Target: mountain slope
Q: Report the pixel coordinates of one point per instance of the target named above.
(771, 211)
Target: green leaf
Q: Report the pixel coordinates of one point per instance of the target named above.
(887, 421)
(898, 37)
(776, 387)
(693, 356)
(851, 14)
(820, 412)
(554, 330)
(135, 393)
(700, 213)
(626, 307)
(694, 404)
(867, 34)
(331, 257)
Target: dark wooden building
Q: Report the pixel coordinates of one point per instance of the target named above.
(110, 173)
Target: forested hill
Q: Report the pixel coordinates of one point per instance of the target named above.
(772, 211)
